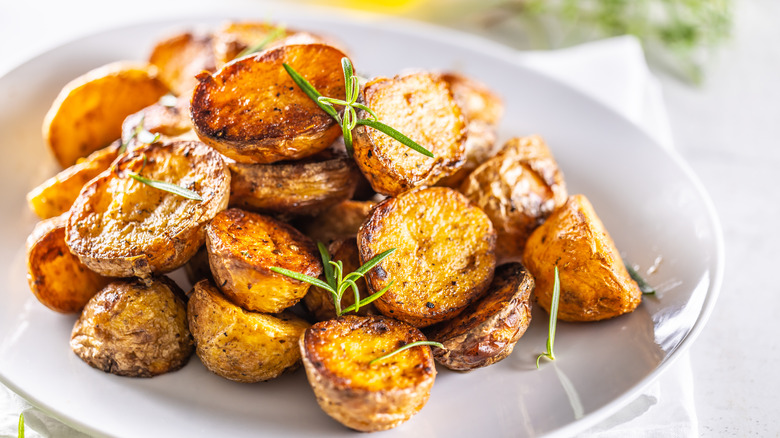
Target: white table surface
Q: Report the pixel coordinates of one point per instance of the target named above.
(728, 129)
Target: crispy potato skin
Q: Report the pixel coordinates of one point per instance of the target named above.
(594, 282)
(241, 345)
(252, 111)
(242, 248)
(87, 114)
(293, 188)
(444, 257)
(56, 194)
(340, 221)
(120, 227)
(179, 58)
(488, 329)
(421, 106)
(56, 277)
(368, 398)
(130, 329)
(320, 302)
(518, 189)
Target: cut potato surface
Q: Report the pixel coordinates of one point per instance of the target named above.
(340, 221)
(56, 277)
(244, 246)
(421, 106)
(88, 113)
(337, 355)
(57, 194)
(131, 329)
(488, 329)
(518, 189)
(120, 227)
(594, 282)
(180, 58)
(241, 345)
(253, 112)
(444, 256)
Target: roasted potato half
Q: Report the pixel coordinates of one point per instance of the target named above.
(293, 188)
(320, 302)
(337, 354)
(87, 114)
(488, 329)
(518, 189)
(444, 257)
(136, 330)
(252, 111)
(421, 106)
(56, 194)
(340, 221)
(242, 248)
(232, 38)
(241, 345)
(120, 227)
(171, 121)
(594, 282)
(181, 57)
(56, 277)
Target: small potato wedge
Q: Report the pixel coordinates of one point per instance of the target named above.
(294, 188)
(232, 38)
(88, 113)
(444, 257)
(253, 112)
(320, 302)
(421, 106)
(56, 277)
(170, 121)
(241, 345)
(594, 282)
(340, 221)
(120, 227)
(131, 329)
(518, 188)
(181, 57)
(337, 354)
(488, 329)
(57, 194)
(242, 248)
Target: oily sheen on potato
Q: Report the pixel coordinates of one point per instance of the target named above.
(120, 227)
(444, 257)
(180, 57)
(360, 395)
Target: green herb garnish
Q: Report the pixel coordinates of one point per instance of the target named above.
(406, 347)
(274, 34)
(349, 119)
(337, 283)
(165, 186)
(553, 320)
(21, 425)
(643, 285)
(141, 134)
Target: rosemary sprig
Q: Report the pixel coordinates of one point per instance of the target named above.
(643, 285)
(406, 347)
(141, 134)
(273, 35)
(165, 186)
(337, 282)
(553, 320)
(21, 426)
(348, 119)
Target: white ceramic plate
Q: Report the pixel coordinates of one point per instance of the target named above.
(648, 199)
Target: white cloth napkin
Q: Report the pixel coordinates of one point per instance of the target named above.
(614, 72)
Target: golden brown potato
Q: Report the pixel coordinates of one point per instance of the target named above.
(444, 256)
(594, 282)
(56, 194)
(518, 188)
(243, 246)
(488, 329)
(180, 58)
(88, 113)
(120, 227)
(232, 38)
(340, 221)
(294, 188)
(482, 110)
(238, 344)
(161, 118)
(130, 329)
(252, 111)
(320, 302)
(56, 277)
(197, 268)
(336, 355)
(421, 106)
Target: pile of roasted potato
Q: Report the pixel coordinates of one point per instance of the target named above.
(260, 175)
